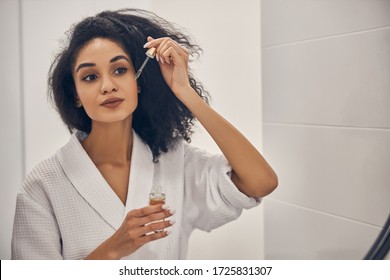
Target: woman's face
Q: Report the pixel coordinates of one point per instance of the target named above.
(105, 81)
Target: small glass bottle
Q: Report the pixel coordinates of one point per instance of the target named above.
(157, 197)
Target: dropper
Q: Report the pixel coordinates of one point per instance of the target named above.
(156, 195)
(151, 53)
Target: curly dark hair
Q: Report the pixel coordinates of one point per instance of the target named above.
(160, 118)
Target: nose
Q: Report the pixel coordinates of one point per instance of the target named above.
(108, 86)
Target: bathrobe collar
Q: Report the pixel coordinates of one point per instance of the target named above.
(89, 182)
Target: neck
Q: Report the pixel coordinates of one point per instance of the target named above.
(110, 143)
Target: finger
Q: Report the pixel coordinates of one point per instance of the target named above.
(153, 227)
(154, 217)
(154, 43)
(162, 44)
(161, 41)
(160, 49)
(165, 51)
(154, 236)
(173, 44)
(149, 44)
(145, 211)
(171, 55)
(180, 49)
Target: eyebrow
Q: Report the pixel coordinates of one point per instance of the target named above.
(118, 57)
(84, 65)
(89, 64)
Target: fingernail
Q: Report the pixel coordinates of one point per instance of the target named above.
(157, 57)
(167, 232)
(162, 61)
(147, 44)
(172, 222)
(165, 207)
(168, 61)
(172, 211)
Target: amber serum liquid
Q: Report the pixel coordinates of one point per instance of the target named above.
(156, 198)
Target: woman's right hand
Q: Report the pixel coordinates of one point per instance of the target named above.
(139, 227)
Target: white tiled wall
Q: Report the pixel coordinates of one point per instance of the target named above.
(302, 233)
(333, 80)
(11, 144)
(298, 20)
(326, 100)
(340, 171)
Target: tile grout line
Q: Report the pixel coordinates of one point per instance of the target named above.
(324, 213)
(326, 126)
(268, 47)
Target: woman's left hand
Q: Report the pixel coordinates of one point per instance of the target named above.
(173, 60)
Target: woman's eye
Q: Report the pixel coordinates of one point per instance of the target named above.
(89, 78)
(120, 71)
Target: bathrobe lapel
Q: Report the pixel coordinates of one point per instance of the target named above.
(91, 185)
(141, 175)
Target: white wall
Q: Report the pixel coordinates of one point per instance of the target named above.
(227, 69)
(11, 119)
(326, 69)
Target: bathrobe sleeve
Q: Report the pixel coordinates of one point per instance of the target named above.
(35, 234)
(211, 198)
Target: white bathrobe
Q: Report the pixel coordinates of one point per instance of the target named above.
(66, 209)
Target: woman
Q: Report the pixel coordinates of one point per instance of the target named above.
(88, 201)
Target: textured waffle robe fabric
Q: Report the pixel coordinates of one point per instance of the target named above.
(65, 208)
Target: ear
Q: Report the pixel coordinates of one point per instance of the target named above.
(78, 102)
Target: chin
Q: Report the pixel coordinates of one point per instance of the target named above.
(114, 118)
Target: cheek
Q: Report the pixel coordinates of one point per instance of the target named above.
(84, 92)
(133, 100)
(88, 101)
(85, 98)
(131, 91)
(80, 89)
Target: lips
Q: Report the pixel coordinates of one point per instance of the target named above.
(111, 101)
